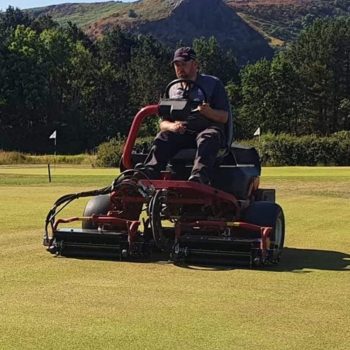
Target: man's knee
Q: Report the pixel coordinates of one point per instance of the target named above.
(210, 136)
(162, 136)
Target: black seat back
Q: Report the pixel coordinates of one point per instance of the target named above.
(229, 128)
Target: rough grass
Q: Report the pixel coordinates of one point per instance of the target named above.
(12, 158)
(258, 26)
(84, 15)
(59, 303)
(80, 14)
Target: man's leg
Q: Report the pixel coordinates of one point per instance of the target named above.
(165, 146)
(208, 144)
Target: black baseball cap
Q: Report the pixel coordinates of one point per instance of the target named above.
(184, 54)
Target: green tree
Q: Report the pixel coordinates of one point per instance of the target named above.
(77, 35)
(108, 112)
(23, 87)
(41, 23)
(256, 94)
(214, 60)
(285, 98)
(13, 17)
(115, 48)
(149, 72)
(321, 58)
(108, 104)
(305, 88)
(44, 77)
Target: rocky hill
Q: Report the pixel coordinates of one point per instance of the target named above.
(170, 21)
(190, 19)
(249, 27)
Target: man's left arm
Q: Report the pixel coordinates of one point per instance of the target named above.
(218, 109)
(216, 115)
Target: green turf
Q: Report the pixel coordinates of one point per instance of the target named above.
(60, 175)
(60, 303)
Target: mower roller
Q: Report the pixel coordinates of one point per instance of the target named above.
(138, 218)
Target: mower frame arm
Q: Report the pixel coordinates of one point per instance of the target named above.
(135, 127)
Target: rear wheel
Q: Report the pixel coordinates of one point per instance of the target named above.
(271, 215)
(99, 205)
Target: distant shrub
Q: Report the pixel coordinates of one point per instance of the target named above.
(274, 150)
(109, 153)
(11, 158)
(144, 144)
(132, 13)
(311, 150)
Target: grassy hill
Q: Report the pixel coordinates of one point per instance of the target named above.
(170, 21)
(94, 15)
(284, 19)
(81, 14)
(276, 21)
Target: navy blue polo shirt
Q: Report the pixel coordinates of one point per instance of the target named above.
(216, 97)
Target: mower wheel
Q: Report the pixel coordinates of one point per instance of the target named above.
(98, 205)
(271, 215)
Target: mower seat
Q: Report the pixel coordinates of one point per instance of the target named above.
(235, 169)
(187, 155)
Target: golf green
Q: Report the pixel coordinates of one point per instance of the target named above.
(49, 302)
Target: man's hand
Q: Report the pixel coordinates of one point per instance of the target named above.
(177, 126)
(216, 115)
(205, 109)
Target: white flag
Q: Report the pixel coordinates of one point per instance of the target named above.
(53, 135)
(257, 132)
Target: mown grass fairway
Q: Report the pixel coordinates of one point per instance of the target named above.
(59, 303)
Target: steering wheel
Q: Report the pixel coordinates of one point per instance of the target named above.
(188, 85)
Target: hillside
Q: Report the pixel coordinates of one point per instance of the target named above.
(195, 18)
(97, 15)
(249, 27)
(170, 21)
(284, 19)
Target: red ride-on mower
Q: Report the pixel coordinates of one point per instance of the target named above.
(228, 222)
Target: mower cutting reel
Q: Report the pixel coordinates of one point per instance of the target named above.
(232, 221)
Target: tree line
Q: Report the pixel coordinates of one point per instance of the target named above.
(56, 78)
(305, 89)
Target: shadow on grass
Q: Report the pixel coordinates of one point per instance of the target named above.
(296, 260)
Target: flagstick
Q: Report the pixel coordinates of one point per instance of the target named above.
(53, 136)
(49, 171)
(54, 153)
(258, 133)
